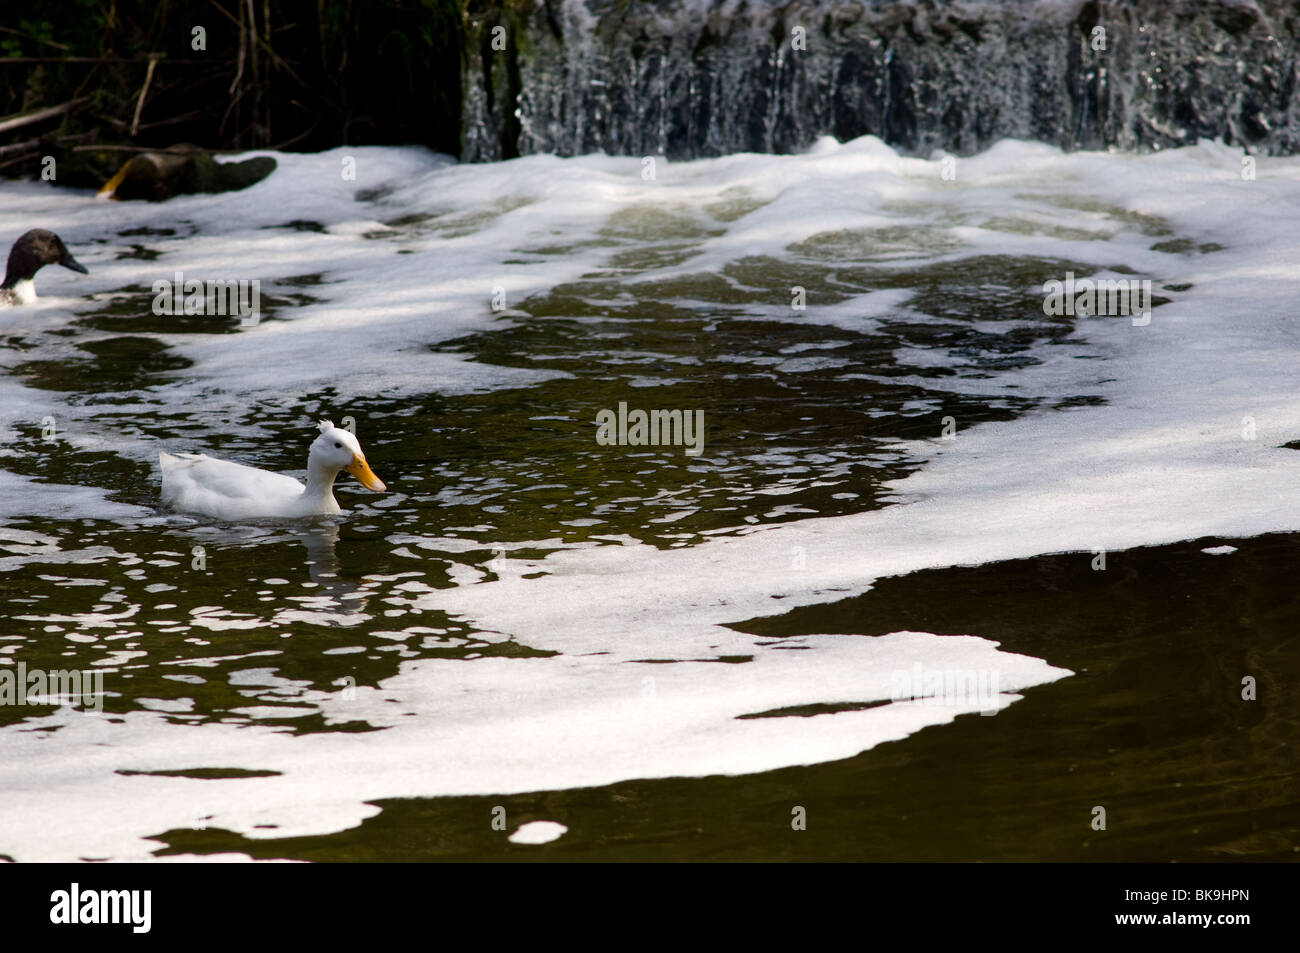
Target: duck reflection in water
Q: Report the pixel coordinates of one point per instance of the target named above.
(319, 538)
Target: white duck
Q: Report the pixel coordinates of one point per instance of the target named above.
(197, 483)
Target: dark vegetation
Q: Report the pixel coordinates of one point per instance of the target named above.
(89, 82)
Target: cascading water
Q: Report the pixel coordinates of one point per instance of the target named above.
(691, 78)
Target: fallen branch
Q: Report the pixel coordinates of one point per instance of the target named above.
(21, 60)
(40, 115)
(169, 151)
(22, 151)
(29, 146)
(98, 148)
(30, 36)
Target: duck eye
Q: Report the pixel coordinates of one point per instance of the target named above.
(338, 445)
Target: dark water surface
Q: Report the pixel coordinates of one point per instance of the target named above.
(799, 421)
(242, 624)
(1152, 727)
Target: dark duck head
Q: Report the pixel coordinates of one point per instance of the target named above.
(32, 252)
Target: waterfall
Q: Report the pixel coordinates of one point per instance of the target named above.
(690, 78)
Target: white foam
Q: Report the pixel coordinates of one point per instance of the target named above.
(492, 725)
(538, 832)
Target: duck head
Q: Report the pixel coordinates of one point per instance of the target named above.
(32, 252)
(336, 450)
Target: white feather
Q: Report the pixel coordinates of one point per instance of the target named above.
(197, 483)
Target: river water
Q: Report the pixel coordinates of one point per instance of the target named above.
(910, 477)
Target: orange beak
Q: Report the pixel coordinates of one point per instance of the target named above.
(366, 476)
(109, 189)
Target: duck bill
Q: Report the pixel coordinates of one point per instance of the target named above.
(366, 476)
(70, 262)
(109, 189)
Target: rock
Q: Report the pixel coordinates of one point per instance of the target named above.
(183, 170)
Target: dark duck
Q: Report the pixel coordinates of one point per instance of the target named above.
(32, 252)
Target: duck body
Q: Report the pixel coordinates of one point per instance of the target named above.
(30, 253)
(198, 483)
(20, 292)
